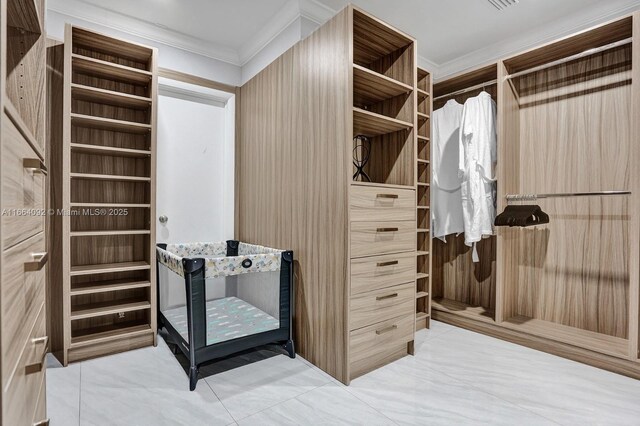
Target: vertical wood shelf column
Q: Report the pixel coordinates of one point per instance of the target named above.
(423, 199)
(106, 183)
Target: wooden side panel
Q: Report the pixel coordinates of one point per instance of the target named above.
(634, 272)
(292, 181)
(55, 93)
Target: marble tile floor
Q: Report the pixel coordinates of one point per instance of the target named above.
(456, 378)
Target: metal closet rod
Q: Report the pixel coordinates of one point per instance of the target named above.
(534, 197)
(468, 89)
(587, 52)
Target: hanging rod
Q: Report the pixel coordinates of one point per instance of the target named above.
(468, 89)
(587, 52)
(534, 197)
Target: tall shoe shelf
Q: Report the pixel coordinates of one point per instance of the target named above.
(107, 186)
(423, 199)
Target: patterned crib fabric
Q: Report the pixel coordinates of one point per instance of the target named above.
(251, 258)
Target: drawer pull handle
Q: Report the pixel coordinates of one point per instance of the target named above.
(35, 164)
(386, 330)
(37, 366)
(389, 296)
(44, 422)
(390, 263)
(392, 196)
(387, 230)
(39, 260)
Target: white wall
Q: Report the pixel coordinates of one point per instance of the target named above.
(168, 56)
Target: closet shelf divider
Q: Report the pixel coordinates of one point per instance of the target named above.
(107, 286)
(371, 87)
(421, 315)
(371, 124)
(422, 253)
(101, 123)
(423, 117)
(421, 294)
(110, 232)
(421, 275)
(105, 69)
(109, 97)
(118, 178)
(113, 205)
(108, 150)
(109, 268)
(107, 334)
(423, 138)
(93, 310)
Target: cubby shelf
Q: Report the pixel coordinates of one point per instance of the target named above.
(93, 310)
(109, 268)
(421, 294)
(424, 208)
(420, 161)
(24, 14)
(102, 123)
(424, 184)
(110, 205)
(422, 94)
(422, 253)
(370, 87)
(108, 150)
(109, 97)
(105, 334)
(423, 138)
(421, 316)
(423, 117)
(104, 69)
(421, 275)
(110, 232)
(371, 124)
(423, 230)
(107, 286)
(94, 176)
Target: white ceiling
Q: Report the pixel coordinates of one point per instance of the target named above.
(452, 34)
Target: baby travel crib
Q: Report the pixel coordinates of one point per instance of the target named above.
(216, 299)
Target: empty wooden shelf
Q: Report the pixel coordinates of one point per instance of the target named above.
(97, 68)
(106, 251)
(108, 150)
(371, 124)
(109, 124)
(370, 87)
(109, 268)
(94, 287)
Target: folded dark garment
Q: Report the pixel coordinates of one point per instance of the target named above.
(527, 215)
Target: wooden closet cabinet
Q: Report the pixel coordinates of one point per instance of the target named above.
(355, 241)
(23, 182)
(103, 117)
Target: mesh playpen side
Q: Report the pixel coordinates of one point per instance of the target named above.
(216, 299)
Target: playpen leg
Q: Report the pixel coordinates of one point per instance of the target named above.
(193, 378)
(290, 348)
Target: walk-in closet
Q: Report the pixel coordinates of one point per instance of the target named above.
(320, 212)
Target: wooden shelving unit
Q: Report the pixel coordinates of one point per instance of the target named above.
(371, 124)
(370, 87)
(423, 183)
(107, 163)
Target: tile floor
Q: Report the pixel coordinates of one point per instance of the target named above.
(456, 378)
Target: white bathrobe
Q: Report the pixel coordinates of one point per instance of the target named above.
(446, 200)
(476, 168)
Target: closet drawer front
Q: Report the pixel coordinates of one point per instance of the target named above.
(381, 305)
(371, 203)
(26, 383)
(374, 346)
(373, 273)
(371, 238)
(22, 188)
(23, 293)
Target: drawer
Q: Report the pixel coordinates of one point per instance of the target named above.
(372, 273)
(22, 294)
(369, 203)
(371, 238)
(23, 188)
(376, 345)
(381, 305)
(26, 384)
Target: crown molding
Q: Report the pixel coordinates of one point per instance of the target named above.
(143, 29)
(427, 64)
(316, 11)
(501, 50)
